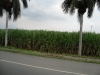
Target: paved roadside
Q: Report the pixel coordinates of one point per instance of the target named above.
(20, 64)
(59, 56)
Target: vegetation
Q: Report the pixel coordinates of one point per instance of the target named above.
(11, 7)
(98, 3)
(69, 6)
(52, 55)
(52, 42)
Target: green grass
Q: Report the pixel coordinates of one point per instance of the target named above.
(52, 55)
(22, 51)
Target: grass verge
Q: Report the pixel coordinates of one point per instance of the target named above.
(52, 55)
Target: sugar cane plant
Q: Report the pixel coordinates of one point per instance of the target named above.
(52, 41)
(69, 6)
(11, 7)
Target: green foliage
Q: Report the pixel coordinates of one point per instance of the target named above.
(98, 3)
(52, 42)
(13, 7)
(69, 6)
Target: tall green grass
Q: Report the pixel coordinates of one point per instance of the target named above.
(53, 42)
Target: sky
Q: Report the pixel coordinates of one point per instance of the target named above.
(48, 15)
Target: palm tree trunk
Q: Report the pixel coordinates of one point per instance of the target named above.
(80, 35)
(6, 32)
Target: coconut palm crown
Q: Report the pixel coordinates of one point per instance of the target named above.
(12, 6)
(69, 6)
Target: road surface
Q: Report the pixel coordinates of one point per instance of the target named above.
(20, 64)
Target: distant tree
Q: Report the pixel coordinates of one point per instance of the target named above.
(11, 7)
(69, 6)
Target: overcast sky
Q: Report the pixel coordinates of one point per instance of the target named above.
(48, 15)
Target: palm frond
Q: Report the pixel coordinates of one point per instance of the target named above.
(16, 9)
(66, 5)
(25, 3)
(98, 3)
(1, 8)
(90, 12)
(1, 12)
(13, 7)
(91, 5)
(10, 13)
(72, 8)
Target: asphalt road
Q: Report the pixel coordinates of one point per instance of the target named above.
(20, 64)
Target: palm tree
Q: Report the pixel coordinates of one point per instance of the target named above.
(69, 6)
(11, 7)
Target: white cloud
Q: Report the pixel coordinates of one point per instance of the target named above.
(48, 15)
